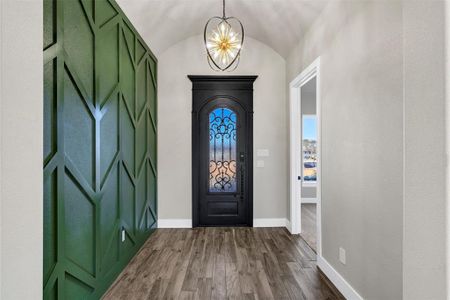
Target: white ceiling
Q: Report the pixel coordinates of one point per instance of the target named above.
(277, 23)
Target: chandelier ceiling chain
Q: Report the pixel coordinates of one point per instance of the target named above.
(223, 9)
(223, 42)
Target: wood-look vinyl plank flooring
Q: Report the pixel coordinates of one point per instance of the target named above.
(309, 226)
(223, 263)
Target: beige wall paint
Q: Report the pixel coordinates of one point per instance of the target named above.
(425, 237)
(447, 119)
(360, 45)
(174, 131)
(21, 144)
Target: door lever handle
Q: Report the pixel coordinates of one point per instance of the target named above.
(242, 163)
(299, 177)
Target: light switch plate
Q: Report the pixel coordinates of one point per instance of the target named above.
(123, 235)
(262, 152)
(260, 164)
(342, 257)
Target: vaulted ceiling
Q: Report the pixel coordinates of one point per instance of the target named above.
(278, 23)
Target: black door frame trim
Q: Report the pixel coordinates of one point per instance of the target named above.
(220, 84)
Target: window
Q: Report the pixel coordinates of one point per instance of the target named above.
(309, 149)
(222, 151)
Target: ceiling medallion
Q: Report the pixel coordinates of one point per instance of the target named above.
(223, 42)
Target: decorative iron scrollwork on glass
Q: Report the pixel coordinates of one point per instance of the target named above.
(222, 151)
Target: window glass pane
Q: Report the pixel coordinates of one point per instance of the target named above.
(309, 148)
(222, 150)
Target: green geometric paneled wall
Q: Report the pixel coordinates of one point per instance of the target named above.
(99, 146)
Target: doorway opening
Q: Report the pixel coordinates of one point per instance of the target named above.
(305, 193)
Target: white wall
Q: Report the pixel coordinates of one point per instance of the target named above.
(21, 119)
(174, 126)
(308, 96)
(424, 207)
(360, 45)
(447, 119)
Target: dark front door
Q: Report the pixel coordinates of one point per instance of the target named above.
(222, 150)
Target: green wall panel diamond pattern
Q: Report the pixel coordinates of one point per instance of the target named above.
(99, 146)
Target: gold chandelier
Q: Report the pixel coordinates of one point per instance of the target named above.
(222, 42)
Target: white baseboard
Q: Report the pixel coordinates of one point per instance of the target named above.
(339, 282)
(309, 200)
(288, 226)
(187, 223)
(174, 223)
(281, 222)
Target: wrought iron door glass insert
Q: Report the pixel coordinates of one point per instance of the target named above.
(222, 151)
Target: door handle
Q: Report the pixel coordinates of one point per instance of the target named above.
(242, 163)
(299, 177)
